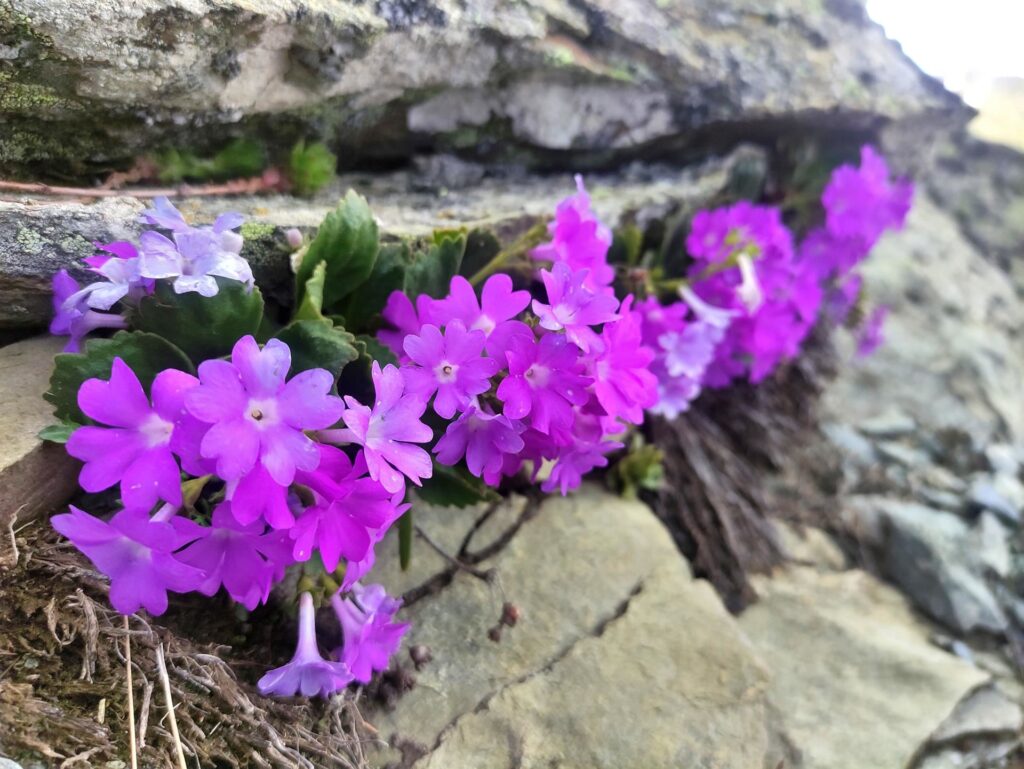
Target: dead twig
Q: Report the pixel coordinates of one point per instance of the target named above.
(270, 180)
(131, 695)
(161, 667)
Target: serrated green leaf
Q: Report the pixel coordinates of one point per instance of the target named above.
(203, 327)
(405, 539)
(146, 354)
(431, 272)
(453, 487)
(374, 350)
(310, 167)
(313, 297)
(318, 344)
(58, 433)
(363, 306)
(347, 242)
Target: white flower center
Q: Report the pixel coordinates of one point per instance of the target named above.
(446, 372)
(485, 324)
(537, 375)
(156, 431)
(262, 412)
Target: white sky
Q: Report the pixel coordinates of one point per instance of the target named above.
(959, 41)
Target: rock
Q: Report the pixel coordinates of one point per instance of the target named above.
(7, 763)
(902, 454)
(1003, 459)
(35, 476)
(992, 545)
(939, 562)
(589, 81)
(620, 657)
(987, 711)
(809, 545)
(984, 495)
(985, 757)
(893, 423)
(39, 237)
(853, 445)
(954, 357)
(855, 681)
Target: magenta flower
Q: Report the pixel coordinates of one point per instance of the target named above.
(137, 450)
(449, 364)
(242, 559)
(574, 307)
(350, 508)
(484, 440)
(545, 380)
(870, 337)
(575, 461)
(308, 673)
(492, 314)
(387, 431)
(861, 203)
(73, 317)
(257, 495)
(136, 553)
(405, 319)
(371, 635)
(256, 416)
(579, 240)
(623, 384)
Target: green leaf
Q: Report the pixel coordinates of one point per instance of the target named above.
(388, 275)
(454, 487)
(242, 157)
(203, 327)
(405, 539)
(310, 167)
(481, 247)
(313, 297)
(58, 433)
(376, 351)
(146, 354)
(318, 344)
(431, 273)
(347, 242)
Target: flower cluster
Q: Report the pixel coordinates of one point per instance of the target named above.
(231, 471)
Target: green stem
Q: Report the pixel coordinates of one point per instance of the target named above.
(405, 530)
(529, 240)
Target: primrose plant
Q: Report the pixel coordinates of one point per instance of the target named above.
(235, 440)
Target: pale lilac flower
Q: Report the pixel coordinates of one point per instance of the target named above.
(623, 384)
(193, 260)
(483, 439)
(136, 553)
(256, 416)
(545, 380)
(308, 673)
(137, 449)
(579, 240)
(371, 635)
(164, 214)
(387, 431)
(72, 317)
(574, 307)
(241, 558)
(448, 364)
(350, 508)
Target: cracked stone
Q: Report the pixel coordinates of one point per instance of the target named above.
(987, 711)
(620, 658)
(856, 682)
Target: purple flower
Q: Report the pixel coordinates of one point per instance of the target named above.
(256, 416)
(448, 364)
(545, 380)
(405, 319)
(579, 240)
(492, 314)
(870, 336)
(484, 440)
(576, 460)
(242, 558)
(257, 495)
(72, 315)
(308, 673)
(164, 214)
(193, 259)
(350, 508)
(574, 307)
(136, 553)
(861, 203)
(120, 267)
(387, 431)
(137, 449)
(623, 384)
(371, 635)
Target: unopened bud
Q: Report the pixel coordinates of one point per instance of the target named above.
(294, 237)
(420, 655)
(509, 614)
